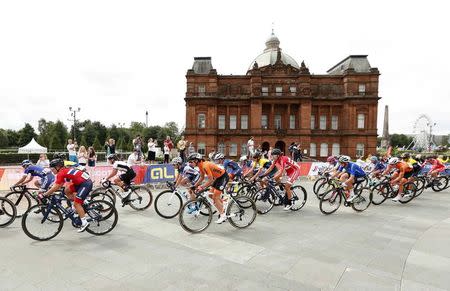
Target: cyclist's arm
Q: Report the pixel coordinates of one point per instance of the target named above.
(279, 173)
(53, 189)
(112, 174)
(256, 174)
(269, 169)
(22, 180)
(179, 179)
(200, 180)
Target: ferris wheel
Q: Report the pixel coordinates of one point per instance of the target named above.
(423, 133)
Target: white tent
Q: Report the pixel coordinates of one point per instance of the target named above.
(32, 148)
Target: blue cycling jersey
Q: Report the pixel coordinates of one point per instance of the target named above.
(353, 169)
(379, 166)
(231, 167)
(40, 172)
(189, 172)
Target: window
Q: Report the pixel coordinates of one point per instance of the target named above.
(221, 148)
(264, 121)
(201, 120)
(312, 150)
(221, 121)
(244, 149)
(201, 147)
(201, 89)
(265, 91)
(232, 121)
(334, 122)
(324, 150)
(292, 121)
(361, 119)
(293, 90)
(323, 122)
(279, 91)
(233, 149)
(336, 149)
(360, 150)
(244, 121)
(362, 89)
(313, 121)
(277, 121)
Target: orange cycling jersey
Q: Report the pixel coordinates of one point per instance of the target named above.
(403, 167)
(211, 170)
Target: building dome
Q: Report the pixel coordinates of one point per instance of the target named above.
(269, 56)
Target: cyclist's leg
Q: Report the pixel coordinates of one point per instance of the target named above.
(343, 177)
(216, 197)
(82, 191)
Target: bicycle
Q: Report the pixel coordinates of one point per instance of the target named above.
(8, 212)
(385, 190)
(334, 196)
(140, 197)
(168, 203)
(48, 218)
(266, 198)
(329, 184)
(240, 211)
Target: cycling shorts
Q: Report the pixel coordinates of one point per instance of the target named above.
(83, 191)
(127, 177)
(293, 173)
(221, 182)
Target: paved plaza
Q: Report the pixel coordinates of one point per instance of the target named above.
(387, 247)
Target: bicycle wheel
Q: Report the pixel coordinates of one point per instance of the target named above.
(440, 183)
(409, 192)
(317, 183)
(168, 204)
(8, 212)
(190, 218)
(300, 196)
(238, 216)
(247, 190)
(42, 222)
(103, 217)
(140, 198)
(420, 184)
(21, 201)
(363, 200)
(102, 196)
(380, 193)
(323, 188)
(330, 201)
(103, 190)
(264, 200)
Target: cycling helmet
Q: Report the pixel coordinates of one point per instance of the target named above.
(177, 160)
(112, 157)
(56, 162)
(26, 163)
(276, 152)
(331, 159)
(393, 161)
(344, 159)
(374, 158)
(257, 155)
(194, 156)
(218, 156)
(243, 159)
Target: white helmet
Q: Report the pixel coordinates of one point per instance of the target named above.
(344, 159)
(218, 156)
(177, 160)
(393, 161)
(243, 159)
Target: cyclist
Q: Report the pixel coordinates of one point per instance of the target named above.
(247, 165)
(124, 179)
(402, 173)
(436, 167)
(187, 175)
(233, 169)
(284, 163)
(217, 179)
(30, 171)
(406, 157)
(82, 184)
(349, 173)
(262, 166)
(378, 167)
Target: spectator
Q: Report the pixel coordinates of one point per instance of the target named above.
(151, 157)
(166, 154)
(168, 142)
(251, 147)
(269, 153)
(137, 145)
(72, 149)
(181, 145)
(191, 148)
(110, 147)
(82, 156)
(92, 157)
(133, 159)
(43, 161)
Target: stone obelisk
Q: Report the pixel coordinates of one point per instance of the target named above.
(385, 138)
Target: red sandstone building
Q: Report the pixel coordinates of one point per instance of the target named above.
(279, 102)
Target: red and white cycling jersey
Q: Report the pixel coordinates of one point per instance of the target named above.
(284, 162)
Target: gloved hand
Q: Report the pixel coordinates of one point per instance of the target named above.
(42, 198)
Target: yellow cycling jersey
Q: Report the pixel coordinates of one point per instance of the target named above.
(69, 164)
(411, 161)
(442, 160)
(263, 163)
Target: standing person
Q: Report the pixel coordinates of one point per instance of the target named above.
(133, 159)
(110, 147)
(72, 149)
(92, 157)
(137, 145)
(181, 145)
(82, 156)
(151, 156)
(43, 161)
(251, 147)
(191, 149)
(166, 154)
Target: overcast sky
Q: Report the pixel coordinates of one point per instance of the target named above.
(117, 59)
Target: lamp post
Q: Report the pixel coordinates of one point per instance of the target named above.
(73, 113)
(146, 118)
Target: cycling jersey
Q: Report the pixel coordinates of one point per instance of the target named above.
(263, 163)
(436, 165)
(189, 172)
(379, 166)
(34, 171)
(76, 176)
(232, 167)
(121, 166)
(353, 169)
(70, 164)
(286, 163)
(211, 170)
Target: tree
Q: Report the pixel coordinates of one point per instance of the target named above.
(400, 140)
(83, 142)
(97, 145)
(4, 141)
(58, 136)
(13, 138)
(26, 134)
